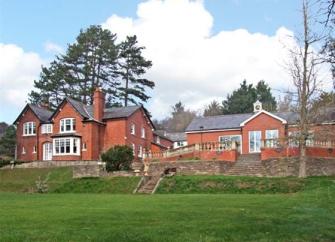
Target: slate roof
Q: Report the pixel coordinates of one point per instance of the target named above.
(175, 137)
(218, 122)
(86, 111)
(81, 108)
(43, 114)
(232, 121)
(162, 134)
(120, 112)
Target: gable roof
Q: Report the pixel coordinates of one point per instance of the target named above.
(120, 112)
(234, 121)
(41, 113)
(162, 134)
(263, 112)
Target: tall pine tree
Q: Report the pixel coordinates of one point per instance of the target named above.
(88, 63)
(132, 67)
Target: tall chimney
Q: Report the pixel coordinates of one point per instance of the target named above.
(98, 104)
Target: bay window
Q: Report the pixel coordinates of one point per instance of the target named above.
(67, 125)
(66, 146)
(29, 128)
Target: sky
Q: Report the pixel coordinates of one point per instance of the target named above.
(201, 50)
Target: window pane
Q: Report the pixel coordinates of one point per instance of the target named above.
(67, 146)
(75, 146)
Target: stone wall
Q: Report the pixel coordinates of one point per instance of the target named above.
(87, 171)
(290, 166)
(50, 164)
(191, 167)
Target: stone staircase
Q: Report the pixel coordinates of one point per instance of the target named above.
(247, 165)
(149, 184)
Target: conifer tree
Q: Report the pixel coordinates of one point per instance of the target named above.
(132, 67)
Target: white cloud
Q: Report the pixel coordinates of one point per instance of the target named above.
(190, 64)
(18, 70)
(53, 48)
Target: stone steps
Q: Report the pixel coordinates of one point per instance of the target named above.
(149, 184)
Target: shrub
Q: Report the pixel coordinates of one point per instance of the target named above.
(42, 184)
(118, 158)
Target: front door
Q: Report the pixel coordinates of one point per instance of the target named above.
(47, 151)
(255, 141)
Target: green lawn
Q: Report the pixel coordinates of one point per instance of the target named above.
(245, 185)
(242, 209)
(60, 181)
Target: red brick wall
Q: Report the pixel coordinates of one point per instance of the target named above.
(229, 155)
(164, 142)
(268, 153)
(28, 142)
(82, 129)
(195, 138)
(139, 119)
(261, 123)
(117, 132)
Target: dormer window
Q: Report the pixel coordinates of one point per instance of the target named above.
(132, 129)
(29, 128)
(67, 125)
(158, 140)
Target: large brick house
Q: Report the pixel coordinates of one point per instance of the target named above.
(251, 130)
(75, 131)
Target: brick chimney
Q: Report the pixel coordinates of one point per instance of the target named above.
(98, 104)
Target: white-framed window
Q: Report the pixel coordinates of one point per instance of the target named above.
(46, 129)
(84, 148)
(294, 138)
(180, 144)
(140, 151)
(271, 137)
(66, 146)
(29, 128)
(133, 146)
(132, 129)
(67, 125)
(23, 150)
(143, 132)
(226, 141)
(34, 149)
(158, 140)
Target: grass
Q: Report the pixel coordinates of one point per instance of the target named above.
(306, 216)
(249, 185)
(60, 181)
(23, 180)
(100, 185)
(272, 209)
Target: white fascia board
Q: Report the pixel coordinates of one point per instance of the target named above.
(265, 112)
(211, 130)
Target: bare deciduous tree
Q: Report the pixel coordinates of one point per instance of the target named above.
(303, 68)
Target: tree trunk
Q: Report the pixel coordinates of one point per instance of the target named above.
(302, 161)
(126, 90)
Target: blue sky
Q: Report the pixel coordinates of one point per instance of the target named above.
(30, 24)
(26, 27)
